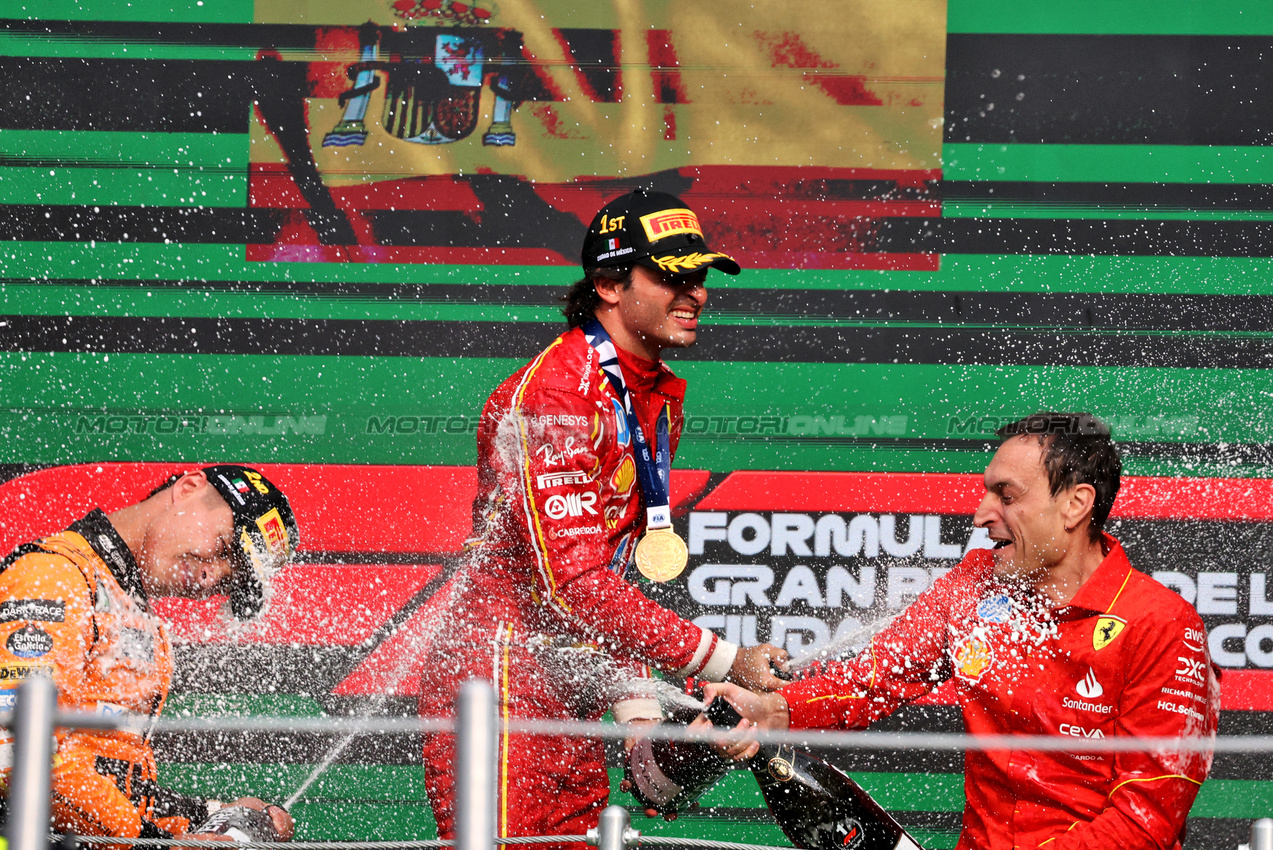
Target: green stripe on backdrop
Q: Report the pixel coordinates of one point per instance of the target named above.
(81, 47)
(39, 261)
(1129, 213)
(154, 187)
(68, 408)
(172, 11)
(195, 301)
(1098, 17)
(228, 151)
(1108, 163)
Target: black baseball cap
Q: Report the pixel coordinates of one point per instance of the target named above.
(651, 229)
(265, 533)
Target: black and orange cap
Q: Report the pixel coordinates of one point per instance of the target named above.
(651, 229)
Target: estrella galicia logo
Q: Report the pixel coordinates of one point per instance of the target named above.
(995, 609)
(29, 642)
(621, 416)
(41, 610)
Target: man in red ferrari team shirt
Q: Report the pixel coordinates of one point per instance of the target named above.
(574, 451)
(1050, 633)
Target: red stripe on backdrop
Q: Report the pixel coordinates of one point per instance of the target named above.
(339, 507)
(1223, 499)
(1246, 690)
(311, 605)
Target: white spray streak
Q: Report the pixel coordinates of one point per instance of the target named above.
(850, 642)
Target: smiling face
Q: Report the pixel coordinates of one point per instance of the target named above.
(1027, 523)
(188, 545)
(655, 312)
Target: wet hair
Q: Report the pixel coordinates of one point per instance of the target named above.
(1077, 449)
(171, 480)
(581, 299)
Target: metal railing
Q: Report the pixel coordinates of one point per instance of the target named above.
(476, 725)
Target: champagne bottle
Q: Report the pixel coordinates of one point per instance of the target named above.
(668, 776)
(817, 805)
(239, 823)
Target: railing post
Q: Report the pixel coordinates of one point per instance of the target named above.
(1262, 834)
(476, 748)
(32, 758)
(613, 831)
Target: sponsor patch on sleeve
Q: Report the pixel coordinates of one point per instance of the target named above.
(29, 642)
(40, 610)
(19, 672)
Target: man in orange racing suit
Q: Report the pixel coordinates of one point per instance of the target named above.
(75, 606)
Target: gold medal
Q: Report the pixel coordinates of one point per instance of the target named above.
(661, 555)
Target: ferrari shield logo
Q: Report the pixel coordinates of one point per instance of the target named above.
(1107, 628)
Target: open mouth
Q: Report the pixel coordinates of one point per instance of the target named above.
(687, 317)
(999, 544)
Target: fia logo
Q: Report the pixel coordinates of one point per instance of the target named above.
(1089, 687)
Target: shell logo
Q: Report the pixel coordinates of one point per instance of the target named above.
(973, 657)
(624, 477)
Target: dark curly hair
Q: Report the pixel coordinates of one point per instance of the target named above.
(1077, 449)
(581, 298)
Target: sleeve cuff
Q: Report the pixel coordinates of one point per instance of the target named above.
(639, 708)
(809, 706)
(712, 658)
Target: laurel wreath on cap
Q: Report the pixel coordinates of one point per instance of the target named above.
(688, 262)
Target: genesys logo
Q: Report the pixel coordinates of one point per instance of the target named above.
(563, 505)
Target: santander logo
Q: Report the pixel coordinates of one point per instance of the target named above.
(1089, 688)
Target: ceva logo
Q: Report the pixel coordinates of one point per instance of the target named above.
(1089, 688)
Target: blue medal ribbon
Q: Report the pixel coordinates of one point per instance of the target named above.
(653, 467)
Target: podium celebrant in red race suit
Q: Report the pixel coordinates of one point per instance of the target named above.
(574, 453)
(1051, 632)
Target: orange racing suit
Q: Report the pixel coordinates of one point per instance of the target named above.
(72, 606)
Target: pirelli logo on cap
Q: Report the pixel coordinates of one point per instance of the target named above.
(666, 223)
(273, 530)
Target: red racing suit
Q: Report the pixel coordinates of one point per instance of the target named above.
(1126, 657)
(72, 606)
(541, 607)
